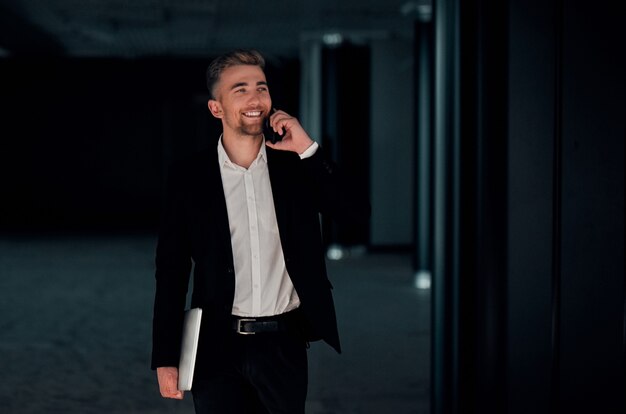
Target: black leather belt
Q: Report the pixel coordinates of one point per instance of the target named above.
(250, 326)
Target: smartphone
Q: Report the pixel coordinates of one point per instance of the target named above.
(269, 133)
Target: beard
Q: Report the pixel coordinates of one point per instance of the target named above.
(253, 130)
(243, 126)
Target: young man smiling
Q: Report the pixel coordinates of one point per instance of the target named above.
(246, 213)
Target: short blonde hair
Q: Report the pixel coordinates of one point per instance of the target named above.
(227, 60)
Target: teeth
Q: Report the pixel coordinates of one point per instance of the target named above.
(252, 113)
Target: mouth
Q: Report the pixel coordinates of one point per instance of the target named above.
(253, 114)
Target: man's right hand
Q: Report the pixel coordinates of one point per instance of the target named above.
(168, 383)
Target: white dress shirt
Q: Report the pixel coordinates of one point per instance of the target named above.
(262, 284)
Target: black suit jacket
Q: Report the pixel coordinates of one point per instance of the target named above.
(195, 229)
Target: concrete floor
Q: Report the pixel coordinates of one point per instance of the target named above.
(75, 321)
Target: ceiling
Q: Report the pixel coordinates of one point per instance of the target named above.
(193, 28)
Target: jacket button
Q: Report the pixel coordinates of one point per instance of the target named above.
(230, 270)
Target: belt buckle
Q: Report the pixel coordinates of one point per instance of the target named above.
(239, 321)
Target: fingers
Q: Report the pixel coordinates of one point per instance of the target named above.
(173, 392)
(294, 137)
(279, 145)
(282, 122)
(178, 395)
(168, 383)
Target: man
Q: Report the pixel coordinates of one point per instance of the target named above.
(246, 213)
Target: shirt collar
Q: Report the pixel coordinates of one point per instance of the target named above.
(224, 160)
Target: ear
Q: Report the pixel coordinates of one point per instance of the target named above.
(216, 108)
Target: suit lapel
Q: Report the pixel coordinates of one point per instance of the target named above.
(214, 192)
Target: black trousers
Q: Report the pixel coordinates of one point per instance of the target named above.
(261, 373)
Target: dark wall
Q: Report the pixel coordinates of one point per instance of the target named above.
(566, 332)
(345, 127)
(82, 140)
(532, 123)
(529, 289)
(592, 343)
(85, 143)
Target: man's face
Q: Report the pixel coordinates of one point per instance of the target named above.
(242, 100)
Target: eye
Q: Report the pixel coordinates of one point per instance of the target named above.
(240, 90)
(262, 89)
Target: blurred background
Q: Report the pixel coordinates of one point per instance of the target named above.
(488, 134)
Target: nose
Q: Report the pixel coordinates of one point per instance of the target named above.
(255, 98)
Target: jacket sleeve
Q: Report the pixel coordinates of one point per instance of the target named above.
(339, 196)
(173, 265)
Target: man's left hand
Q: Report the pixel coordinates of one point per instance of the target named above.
(295, 137)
